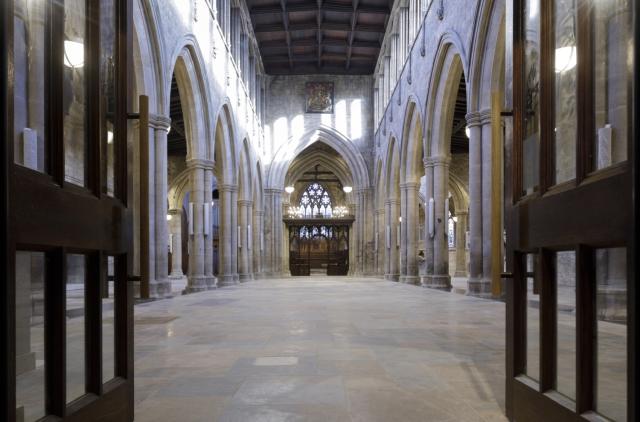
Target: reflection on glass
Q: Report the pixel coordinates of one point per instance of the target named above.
(108, 323)
(566, 57)
(612, 68)
(75, 340)
(533, 319)
(30, 382)
(107, 86)
(29, 76)
(74, 100)
(531, 142)
(566, 322)
(611, 311)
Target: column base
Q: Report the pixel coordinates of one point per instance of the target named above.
(438, 282)
(176, 276)
(212, 282)
(410, 279)
(196, 283)
(425, 280)
(245, 277)
(461, 274)
(392, 277)
(479, 287)
(227, 280)
(160, 289)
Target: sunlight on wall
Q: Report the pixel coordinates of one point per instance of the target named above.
(297, 126)
(356, 119)
(325, 119)
(280, 132)
(341, 116)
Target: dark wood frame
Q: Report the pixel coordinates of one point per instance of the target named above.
(576, 215)
(74, 220)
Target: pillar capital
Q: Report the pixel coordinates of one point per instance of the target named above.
(473, 118)
(273, 191)
(157, 121)
(380, 211)
(174, 211)
(485, 117)
(442, 160)
(392, 201)
(245, 202)
(461, 213)
(199, 163)
(410, 186)
(227, 188)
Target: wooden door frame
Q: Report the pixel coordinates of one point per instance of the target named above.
(38, 229)
(608, 185)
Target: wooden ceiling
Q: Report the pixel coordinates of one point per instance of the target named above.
(176, 139)
(319, 36)
(459, 140)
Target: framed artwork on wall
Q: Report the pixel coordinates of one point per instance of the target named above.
(319, 97)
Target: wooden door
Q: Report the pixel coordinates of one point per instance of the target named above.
(570, 177)
(67, 319)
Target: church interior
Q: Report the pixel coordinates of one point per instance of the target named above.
(319, 210)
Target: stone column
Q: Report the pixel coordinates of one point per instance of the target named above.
(161, 286)
(403, 232)
(175, 229)
(425, 280)
(487, 202)
(441, 279)
(234, 234)
(244, 210)
(197, 278)
(405, 35)
(461, 245)
(274, 233)
(226, 252)
(361, 229)
(476, 286)
(258, 217)
(212, 282)
(393, 250)
(380, 241)
(410, 227)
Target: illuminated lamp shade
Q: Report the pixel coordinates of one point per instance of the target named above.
(73, 54)
(467, 131)
(566, 59)
(289, 189)
(109, 137)
(347, 189)
(169, 217)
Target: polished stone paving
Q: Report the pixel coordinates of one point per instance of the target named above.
(320, 349)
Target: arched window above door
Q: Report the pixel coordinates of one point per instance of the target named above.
(316, 202)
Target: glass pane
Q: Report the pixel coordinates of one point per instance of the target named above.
(29, 76)
(75, 341)
(30, 382)
(74, 98)
(533, 319)
(611, 278)
(531, 143)
(612, 52)
(108, 323)
(565, 90)
(107, 85)
(566, 324)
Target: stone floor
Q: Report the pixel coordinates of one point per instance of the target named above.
(320, 349)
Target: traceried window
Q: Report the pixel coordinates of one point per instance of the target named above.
(316, 202)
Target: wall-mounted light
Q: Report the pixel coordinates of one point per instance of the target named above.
(566, 59)
(347, 189)
(109, 137)
(467, 131)
(400, 219)
(169, 217)
(289, 189)
(73, 54)
(455, 219)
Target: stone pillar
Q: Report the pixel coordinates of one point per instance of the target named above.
(361, 223)
(487, 206)
(274, 232)
(160, 287)
(257, 227)
(461, 245)
(425, 280)
(476, 286)
(197, 279)
(393, 251)
(212, 282)
(234, 234)
(405, 35)
(244, 210)
(380, 241)
(410, 227)
(227, 275)
(441, 279)
(175, 230)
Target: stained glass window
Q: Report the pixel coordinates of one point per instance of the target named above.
(316, 202)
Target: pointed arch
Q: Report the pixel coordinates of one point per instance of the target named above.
(294, 146)
(225, 151)
(412, 152)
